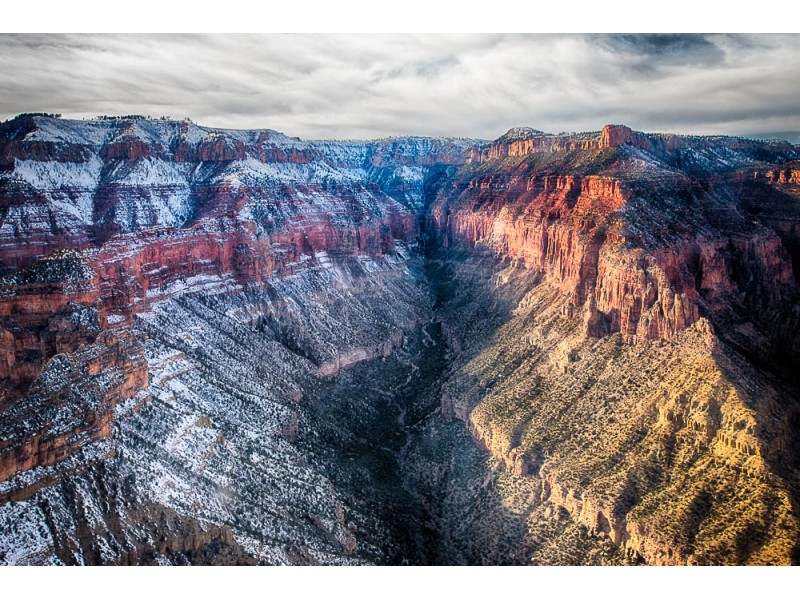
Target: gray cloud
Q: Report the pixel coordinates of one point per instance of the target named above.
(345, 86)
(666, 48)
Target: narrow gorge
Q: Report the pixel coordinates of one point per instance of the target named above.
(238, 347)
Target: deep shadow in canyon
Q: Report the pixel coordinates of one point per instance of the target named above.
(434, 494)
(367, 418)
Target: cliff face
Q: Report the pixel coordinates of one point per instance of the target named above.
(639, 246)
(69, 184)
(104, 288)
(159, 208)
(71, 407)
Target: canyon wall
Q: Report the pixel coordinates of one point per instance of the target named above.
(605, 324)
(160, 208)
(643, 251)
(103, 220)
(223, 274)
(674, 451)
(220, 462)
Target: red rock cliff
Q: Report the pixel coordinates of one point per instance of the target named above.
(73, 404)
(641, 256)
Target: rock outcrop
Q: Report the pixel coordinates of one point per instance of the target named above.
(72, 405)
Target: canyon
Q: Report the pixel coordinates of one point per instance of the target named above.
(239, 347)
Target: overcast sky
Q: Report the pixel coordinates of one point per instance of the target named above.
(355, 86)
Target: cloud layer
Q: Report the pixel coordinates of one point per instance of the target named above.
(356, 86)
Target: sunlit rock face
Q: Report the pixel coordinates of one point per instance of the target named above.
(625, 318)
(237, 347)
(640, 242)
